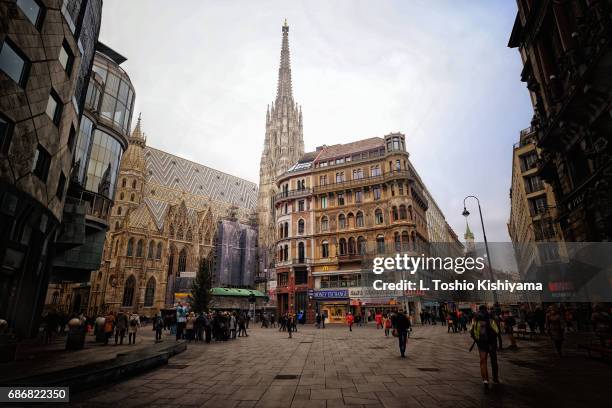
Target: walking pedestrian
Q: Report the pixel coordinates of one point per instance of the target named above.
(109, 326)
(158, 325)
(242, 332)
(401, 324)
(120, 327)
(181, 320)
(289, 324)
(485, 332)
(232, 325)
(190, 326)
(349, 320)
(387, 324)
(133, 328)
(554, 328)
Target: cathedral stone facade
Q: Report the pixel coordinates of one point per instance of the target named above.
(283, 146)
(164, 220)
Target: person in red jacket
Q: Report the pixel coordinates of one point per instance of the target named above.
(349, 320)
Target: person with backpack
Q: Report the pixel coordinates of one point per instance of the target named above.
(401, 325)
(133, 326)
(485, 332)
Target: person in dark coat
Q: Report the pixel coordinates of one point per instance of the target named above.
(401, 323)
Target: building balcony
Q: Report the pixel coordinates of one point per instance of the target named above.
(361, 182)
(301, 261)
(285, 195)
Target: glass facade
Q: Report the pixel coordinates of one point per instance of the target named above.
(82, 150)
(103, 164)
(117, 97)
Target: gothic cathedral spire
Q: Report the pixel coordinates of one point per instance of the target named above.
(283, 146)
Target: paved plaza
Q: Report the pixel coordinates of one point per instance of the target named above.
(336, 368)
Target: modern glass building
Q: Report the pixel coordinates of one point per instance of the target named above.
(39, 121)
(102, 139)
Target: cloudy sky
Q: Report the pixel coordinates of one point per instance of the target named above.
(438, 71)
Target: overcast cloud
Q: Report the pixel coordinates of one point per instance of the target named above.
(440, 72)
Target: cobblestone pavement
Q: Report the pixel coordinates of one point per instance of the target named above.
(39, 359)
(337, 368)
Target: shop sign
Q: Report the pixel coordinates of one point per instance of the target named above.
(368, 292)
(331, 294)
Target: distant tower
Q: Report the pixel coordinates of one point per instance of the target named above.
(469, 239)
(283, 146)
(131, 176)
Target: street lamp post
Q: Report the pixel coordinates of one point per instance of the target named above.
(466, 213)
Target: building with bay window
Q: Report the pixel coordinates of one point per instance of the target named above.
(101, 141)
(337, 208)
(46, 54)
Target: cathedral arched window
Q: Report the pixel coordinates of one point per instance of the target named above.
(171, 262)
(119, 210)
(139, 248)
(398, 242)
(128, 292)
(130, 247)
(134, 184)
(116, 250)
(123, 183)
(159, 251)
(189, 235)
(116, 225)
(150, 293)
(55, 299)
(395, 214)
(171, 231)
(402, 212)
(121, 196)
(150, 250)
(182, 265)
(179, 233)
(132, 197)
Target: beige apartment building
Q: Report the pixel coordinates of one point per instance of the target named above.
(339, 207)
(533, 210)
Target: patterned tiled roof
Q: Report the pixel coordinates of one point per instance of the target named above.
(165, 169)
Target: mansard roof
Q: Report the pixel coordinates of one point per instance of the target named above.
(180, 174)
(338, 150)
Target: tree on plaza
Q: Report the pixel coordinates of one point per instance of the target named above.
(201, 295)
